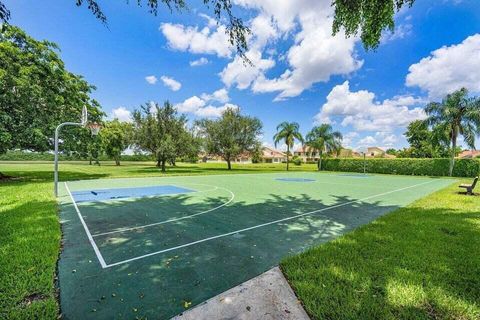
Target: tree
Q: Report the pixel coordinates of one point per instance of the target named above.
(230, 135)
(288, 132)
(367, 17)
(160, 130)
(391, 151)
(323, 139)
(424, 143)
(36, 92)
(456, 115)
(116, 136)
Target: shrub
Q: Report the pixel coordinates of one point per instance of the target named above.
(405, 166)
(296, 160)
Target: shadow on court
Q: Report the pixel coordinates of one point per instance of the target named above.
(164, 284)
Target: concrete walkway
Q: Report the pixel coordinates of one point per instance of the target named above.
(267, 296)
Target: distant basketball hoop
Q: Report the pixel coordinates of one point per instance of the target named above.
(94, 128)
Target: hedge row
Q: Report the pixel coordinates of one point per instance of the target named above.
(37, 156)
(420, 167)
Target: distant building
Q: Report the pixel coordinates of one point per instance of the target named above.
(375, 152)
(469, 154)
(270, 155)
(307, 154)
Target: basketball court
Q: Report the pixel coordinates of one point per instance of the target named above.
(152, 247)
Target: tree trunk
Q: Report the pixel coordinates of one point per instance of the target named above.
(163, 165)
(158, 163)
(229, 164)
(117, 161)
(288, 153)
(90, 162)
(452, 156)
(320, 161)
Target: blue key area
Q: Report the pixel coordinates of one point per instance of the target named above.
(295, 179)
(122, 193)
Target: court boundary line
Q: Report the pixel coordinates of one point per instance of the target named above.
(324, 173)
(87, 231)
(173, 219)
(263, 225)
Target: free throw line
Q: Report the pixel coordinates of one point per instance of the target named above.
(90, 238)
(263, 225)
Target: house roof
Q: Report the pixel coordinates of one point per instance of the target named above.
(268, 152)
(304, 149)
(371, 149)
(469, 154)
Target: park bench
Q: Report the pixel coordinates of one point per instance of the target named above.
(469, 187)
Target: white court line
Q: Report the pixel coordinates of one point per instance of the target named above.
(173, 219)
(263, 225)
(90, 238)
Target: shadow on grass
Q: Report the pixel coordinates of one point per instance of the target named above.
(414, 264)
(159, 285)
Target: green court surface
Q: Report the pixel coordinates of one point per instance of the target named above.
(190, 238)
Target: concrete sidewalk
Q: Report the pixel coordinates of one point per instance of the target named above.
(267, 296)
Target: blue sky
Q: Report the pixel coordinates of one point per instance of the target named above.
(302, 73)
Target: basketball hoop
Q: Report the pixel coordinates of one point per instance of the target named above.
(84, 119)
(94, 128)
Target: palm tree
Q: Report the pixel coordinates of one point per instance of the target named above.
(456, 115)
(323, 139)
(288, 132)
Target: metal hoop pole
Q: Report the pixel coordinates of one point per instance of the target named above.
(55, 171)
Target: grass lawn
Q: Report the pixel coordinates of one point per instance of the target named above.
(418, 262)
(422, 261)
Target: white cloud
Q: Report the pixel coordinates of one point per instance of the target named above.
(214, 112)
(361, 111)
(171, 83)
(122, 114)
(401, 31)
(151, 79)
(199, 62)
(314, 57)
(448, 69)
(367, 141)
(190, 105)
(348, 138)
(198, 105)
(193, 40)
(220, 95)
(242, 75)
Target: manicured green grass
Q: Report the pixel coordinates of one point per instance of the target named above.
(419, 262)
(29, 247)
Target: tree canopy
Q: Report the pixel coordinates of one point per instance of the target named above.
(230, 135)
(116, 137)
(161, 131)
(425, 143)
(369, 18)
(457, 115)
(288, 132)
(36, 92)
(322, 138)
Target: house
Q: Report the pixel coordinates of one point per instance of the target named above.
(307, 154)
(270, 155)
(469, 154)
(375, 152)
